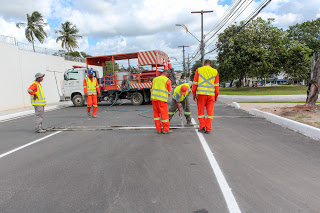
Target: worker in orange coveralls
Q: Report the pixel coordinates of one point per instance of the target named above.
(91, 86)
(160, 92)
(205, 90)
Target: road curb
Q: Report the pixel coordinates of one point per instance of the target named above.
(30, 112)
(235, 105)
(304, 129)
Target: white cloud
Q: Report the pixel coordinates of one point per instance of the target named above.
(114, 26)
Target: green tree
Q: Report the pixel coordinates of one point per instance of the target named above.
(108, 69)
(307, 33)
(68, 36)
(34, 28)
(299, 61)
(84, 55)
(79, 54)
(257, 50)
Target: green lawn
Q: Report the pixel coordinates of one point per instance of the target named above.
(269, 90)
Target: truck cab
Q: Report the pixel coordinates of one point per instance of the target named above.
(72, 85)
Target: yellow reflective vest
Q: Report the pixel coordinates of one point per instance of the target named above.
(159, 90)
(206, 80)
(177, 93)
(41, 101)
(91, 86)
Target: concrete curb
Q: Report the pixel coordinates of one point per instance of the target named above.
(235, 105)
(22, 114)
(304, 129)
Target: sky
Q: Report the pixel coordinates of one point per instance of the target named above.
(114, 26)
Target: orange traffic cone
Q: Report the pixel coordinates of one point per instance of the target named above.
(165, 67)
(169, 63)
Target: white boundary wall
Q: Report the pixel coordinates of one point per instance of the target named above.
(18, 69)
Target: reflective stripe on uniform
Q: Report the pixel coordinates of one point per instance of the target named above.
(160, 96)
(206, 80)
(95, 105)
(200, 116)
(159, 90)
(156, 119)
(163, 121)
(187, 113)
(196, 83)
(205, 91)
(209, 116)
(171, 113)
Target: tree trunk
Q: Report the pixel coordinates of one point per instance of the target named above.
(314, 85)
(231, 83)
(240, 81)
(33, 46)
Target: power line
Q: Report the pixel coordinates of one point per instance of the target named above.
(250, 18)
(242, 7)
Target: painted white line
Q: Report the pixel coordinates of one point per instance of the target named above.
(226, 190)
(29, 144)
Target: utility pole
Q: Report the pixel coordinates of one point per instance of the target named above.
(202, 37)
(184, 63)
(189, 66)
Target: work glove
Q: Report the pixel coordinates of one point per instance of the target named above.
(35, 97)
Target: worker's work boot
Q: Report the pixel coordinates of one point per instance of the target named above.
(189, 121)
(94, 116)
(160, 132)
(167, 132)
(202, 130)
(89, 114)
(207, 132)
(41, 131)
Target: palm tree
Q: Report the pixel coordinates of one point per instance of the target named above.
(68, 36)
(34, 28)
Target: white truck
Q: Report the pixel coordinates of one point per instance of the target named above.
(72, 85)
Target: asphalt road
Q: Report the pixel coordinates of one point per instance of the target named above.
(268, 168)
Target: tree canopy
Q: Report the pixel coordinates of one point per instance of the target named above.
(68, 36)
(260, 50)
(34, 28)
(307, 33)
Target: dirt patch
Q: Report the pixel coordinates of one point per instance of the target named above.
(300, 113)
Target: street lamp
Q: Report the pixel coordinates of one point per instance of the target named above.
(187, 31)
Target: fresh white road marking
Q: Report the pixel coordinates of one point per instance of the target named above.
(29, 144)
(226, 190)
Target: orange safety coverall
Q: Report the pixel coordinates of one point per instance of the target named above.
(160, 108)
(91, 99)
(205, 101)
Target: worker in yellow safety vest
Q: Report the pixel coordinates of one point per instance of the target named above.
(38, 100)
(91, 87)
(160, 92)
(180, 95)
(205, 90)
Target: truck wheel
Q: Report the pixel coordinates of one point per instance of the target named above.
(136, 98)
(78, 100)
